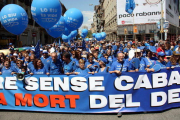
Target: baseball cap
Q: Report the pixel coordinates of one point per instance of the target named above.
(45, 52)
(104, 60)
(15, 54)
(161, 54)
(137, 50)
(10, 44)
(97, 48)
(151, 41)
(176, 53)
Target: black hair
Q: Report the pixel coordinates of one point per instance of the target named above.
(66, 55)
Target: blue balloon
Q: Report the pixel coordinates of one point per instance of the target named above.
(85, 32)
(58, 29)
(70, 37)
(74, 33)
(103, 34)
(83, 36)
(66, 32)
(87, 39)
(94, 35)
(98, 36)
(65, 38)
(73, 19)
(14, 18)
(46, 12)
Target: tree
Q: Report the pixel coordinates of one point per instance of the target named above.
(89, 34)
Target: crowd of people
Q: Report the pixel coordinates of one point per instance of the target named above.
(95, 57)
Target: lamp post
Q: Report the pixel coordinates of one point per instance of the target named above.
(162, 19)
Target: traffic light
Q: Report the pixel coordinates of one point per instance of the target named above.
(135, 29)
(125, 31)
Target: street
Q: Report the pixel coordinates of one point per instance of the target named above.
(172, 114)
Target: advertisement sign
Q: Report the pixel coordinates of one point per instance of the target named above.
(99, 93)
(147, 11)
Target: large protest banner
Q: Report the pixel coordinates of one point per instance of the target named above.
(99, 93)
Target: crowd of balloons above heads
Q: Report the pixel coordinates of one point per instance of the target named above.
(47, 14)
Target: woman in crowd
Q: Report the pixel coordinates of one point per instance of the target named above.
(26, 61)
(20, 57)
(90, 64)
(19, 65)
(7, 69)
(102, 66)
(73, 55)
(168, 50)
(175, 59)
(77, 57)
(39, 68)
(13, 60)
(148, 62)
(160, 63)
(82, 69)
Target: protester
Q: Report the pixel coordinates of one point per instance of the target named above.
(69, 66)
(102, 66)
(54, 66)
(175, 60)
(39, 68)
(119, 66)
(7, 69)
(90, 64)
(82, 69)
(95, 57)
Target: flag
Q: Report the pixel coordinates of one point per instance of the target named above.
(130, 6)
(37, 49)
(59, 42)
(83, 45)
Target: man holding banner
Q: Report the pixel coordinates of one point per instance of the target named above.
(119, 66)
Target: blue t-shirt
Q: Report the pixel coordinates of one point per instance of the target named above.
(146, 61)
(168, 52)
(82, 71)
(41, 71)
(133, 64)
(54, 68)
(30, 66)
(45, 61)
(70, 67)
(92, 68)
(118, 66)
(7, 71)
(104, 71)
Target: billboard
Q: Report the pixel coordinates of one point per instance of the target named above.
(147, 11)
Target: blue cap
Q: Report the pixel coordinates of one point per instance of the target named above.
(11, 48)
(151, 41)
(161, 54)
(10, 44)
(152, 49)
(45, 52)
(142, 47)
(176, 53)
(104, 60)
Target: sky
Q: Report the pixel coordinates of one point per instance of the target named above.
(85, 6)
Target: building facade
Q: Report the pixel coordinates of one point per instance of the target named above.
(144, 22)
(105, 18)
(110, 10)
(33, 32)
